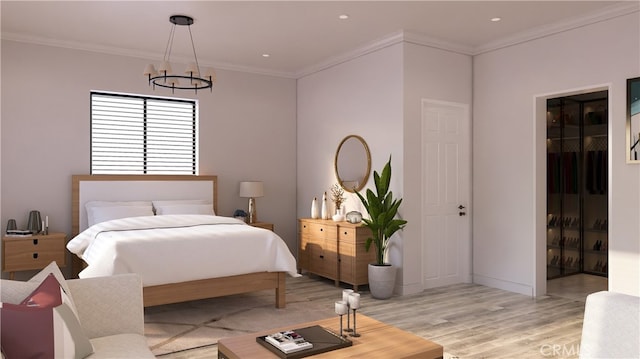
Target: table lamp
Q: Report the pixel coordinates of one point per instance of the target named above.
(251, 190)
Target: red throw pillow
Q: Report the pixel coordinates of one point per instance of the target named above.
(43, 326)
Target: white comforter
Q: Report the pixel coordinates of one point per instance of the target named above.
(177, 248)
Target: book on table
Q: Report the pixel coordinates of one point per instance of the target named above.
(19, 233)
(303, 342)
(288, 341)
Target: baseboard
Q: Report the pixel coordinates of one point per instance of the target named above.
(408, 289)
(504, 285)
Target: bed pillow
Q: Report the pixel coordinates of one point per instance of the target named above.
(102, 214)
(43, 325)
(186, 209)
(160, 206)
(173, 202)
(91, 204)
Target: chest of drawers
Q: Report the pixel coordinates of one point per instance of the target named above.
(334, 250)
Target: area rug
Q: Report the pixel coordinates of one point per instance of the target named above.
(179, 327)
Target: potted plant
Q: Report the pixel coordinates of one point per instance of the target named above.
(382, 222)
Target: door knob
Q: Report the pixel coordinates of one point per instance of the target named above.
(461, 213)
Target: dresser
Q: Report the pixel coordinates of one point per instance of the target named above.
(335, 250)
(33, 252)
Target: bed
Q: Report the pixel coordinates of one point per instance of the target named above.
(127, 188)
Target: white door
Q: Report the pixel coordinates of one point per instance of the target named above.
(446, 179)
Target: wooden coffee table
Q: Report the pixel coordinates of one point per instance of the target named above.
(377, 340)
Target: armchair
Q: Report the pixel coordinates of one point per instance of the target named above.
(110, 311)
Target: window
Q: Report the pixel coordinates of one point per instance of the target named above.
(133, 134)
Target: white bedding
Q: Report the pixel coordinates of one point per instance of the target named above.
(177, 248)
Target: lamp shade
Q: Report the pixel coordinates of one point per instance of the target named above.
(192, 69)
(150, 70)
(165, 67)
(251, 189)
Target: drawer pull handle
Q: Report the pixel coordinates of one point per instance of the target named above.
(35, 256)
(35, 242)
(322, 256)
(345, 233)
(321, 229)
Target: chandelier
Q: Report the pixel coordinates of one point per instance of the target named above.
(192, 79)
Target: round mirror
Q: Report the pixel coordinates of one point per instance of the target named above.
(352, 163)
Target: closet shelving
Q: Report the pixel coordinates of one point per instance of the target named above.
(577, 225)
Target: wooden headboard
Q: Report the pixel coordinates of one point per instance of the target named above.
(86, 188)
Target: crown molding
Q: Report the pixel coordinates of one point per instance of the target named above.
(386, 41)
(424, 40)
(627, 7)
(614, 11)
(370, 47)
(151, 56)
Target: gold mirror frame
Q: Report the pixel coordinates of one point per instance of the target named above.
(351, 153)
(633, 120)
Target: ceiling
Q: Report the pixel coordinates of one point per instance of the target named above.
(299, 36)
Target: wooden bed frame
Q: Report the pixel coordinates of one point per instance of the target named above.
(184, 291)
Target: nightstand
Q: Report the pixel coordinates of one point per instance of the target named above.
(32, 252)
(264, 225)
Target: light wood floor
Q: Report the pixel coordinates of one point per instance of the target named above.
(473, 321)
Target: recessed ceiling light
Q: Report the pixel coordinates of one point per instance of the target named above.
(496, 19)
(343, 17)
(265, 55)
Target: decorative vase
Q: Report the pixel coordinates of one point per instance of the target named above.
(314, 208)
(35, 222)
(382, 280)
(324, 210)
(354, 217)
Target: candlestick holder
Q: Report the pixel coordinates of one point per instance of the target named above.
(354, 304)
(354, 333)
(341, 309)
(345, 297)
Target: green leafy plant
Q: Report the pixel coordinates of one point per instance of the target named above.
(382, 209)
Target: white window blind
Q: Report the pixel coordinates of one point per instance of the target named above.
(142, 135)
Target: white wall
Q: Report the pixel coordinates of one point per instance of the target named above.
(435, 74)
(508, 145)
(377, 96)
(247, 132)
(362, 96)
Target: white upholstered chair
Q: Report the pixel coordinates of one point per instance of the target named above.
(611, 327)
(110, 311)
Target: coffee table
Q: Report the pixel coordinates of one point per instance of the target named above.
(377, 340)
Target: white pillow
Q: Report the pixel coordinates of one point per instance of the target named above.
(91, 221)
(174, 202)
(102, 214)
(159, 206)
(185, 209)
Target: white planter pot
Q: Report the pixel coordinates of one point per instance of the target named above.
(382, 280)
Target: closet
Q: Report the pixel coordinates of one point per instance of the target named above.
(577, 185)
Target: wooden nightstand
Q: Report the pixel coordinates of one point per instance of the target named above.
(33, 252)
(264, 225)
